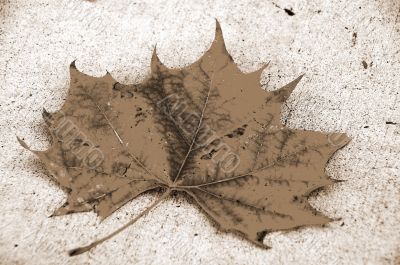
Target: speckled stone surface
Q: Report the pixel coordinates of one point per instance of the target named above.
(349, 51)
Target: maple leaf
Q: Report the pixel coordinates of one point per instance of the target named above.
(207, 130)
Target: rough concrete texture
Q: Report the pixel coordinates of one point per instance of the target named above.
(325, 39)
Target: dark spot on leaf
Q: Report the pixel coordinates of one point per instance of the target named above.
(261, 235)
(123, 90)
(120, 168)
(237, 132)
(215, 142)
(209, 155)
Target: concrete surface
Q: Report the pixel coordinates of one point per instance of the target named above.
(327, 40)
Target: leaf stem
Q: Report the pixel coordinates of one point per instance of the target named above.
(80, 250)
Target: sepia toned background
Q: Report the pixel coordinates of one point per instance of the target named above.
(349, 52)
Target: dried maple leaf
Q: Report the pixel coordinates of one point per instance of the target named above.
(207, 130)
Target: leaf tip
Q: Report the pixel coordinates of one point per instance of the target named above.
(338, 180)
(292, 85)
(22, 143)
(338, 140)
(284, 92)
(257, 73)
(265, 66)
(46, 116)
(217, 26)
(219, 42)
(156, 63)
(73, 64)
